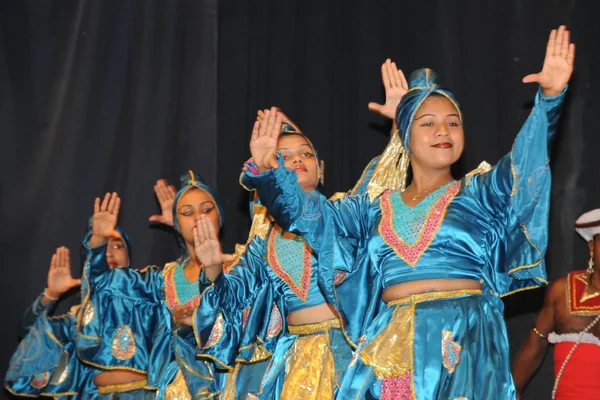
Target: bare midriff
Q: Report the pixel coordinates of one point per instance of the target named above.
(406, 289)
(118, 377)
(311, 315)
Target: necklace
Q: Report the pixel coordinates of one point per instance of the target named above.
(568, 357)
(427, 191)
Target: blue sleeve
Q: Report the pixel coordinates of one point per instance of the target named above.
(232, 320)
(309, 213)
(32, 313)
(516, 194)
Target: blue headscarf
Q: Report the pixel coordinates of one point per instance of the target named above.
(422, 84)
(124, 238)
(192, 180)
(392, 166)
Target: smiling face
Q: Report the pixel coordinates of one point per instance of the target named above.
(192, 204)
(437, 137)
(299, 156)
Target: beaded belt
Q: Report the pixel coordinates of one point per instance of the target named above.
(314, 328)
(429, 296)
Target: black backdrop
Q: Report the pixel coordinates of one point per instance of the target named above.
(97, 96)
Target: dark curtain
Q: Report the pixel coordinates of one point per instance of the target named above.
(319, 61)
(96, 96)
(111, 95)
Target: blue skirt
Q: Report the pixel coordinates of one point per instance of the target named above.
(436, 345)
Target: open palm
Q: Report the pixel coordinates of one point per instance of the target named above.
(263, 143)
(105, 216)
(395, 85)
(60, 279)
(558, 63)
(165, 194)
(207, 246)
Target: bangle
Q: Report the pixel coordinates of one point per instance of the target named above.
(48, 296)
(535, 330)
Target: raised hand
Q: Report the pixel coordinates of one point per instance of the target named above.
(558, 64)
(183, 315)
(165, 194)
(105, 219)
(263, 143)
(260, 115)
(207, 246)
(60, 279)
(395, 86)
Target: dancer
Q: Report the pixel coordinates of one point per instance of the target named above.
(569, 320)
(440, 251)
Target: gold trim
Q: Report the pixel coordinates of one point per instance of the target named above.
(123, 387)
(19, 394)
(215, 360)
(520, 290)
(182, 362)
(107, 367)
(429, 296)
(482, 168)
(362, 175)
(308, 329)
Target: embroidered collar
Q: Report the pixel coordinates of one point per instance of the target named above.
(582, 298)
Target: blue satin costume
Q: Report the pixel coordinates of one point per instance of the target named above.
(172, 365)
(491, 226)
(47, 360)
(247, 306)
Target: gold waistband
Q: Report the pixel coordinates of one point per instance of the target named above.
(314, 328)
(428, 296)
(123, 387)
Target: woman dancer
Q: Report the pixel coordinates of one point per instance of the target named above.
(440, 251)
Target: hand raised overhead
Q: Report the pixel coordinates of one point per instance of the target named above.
(263, 143)
(395, 86)
(558, 63)
(165, 194)
(60, 279)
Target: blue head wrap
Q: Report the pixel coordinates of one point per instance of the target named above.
(192, 180)
(392, 166)
(422, 84)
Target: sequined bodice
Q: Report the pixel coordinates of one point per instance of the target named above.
(444, 236)
(293, 264)
(179, 291)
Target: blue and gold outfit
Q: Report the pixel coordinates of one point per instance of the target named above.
(274, 276)
(491, 227)
(172, 365)
(58, 357)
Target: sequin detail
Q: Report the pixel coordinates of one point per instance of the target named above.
(418, 225)
(450, 351)
(179, 291)
(123, 344)
(396, 388)
(245, 316)
(339, 277)
(40, 380)
(88, 313)
(275, 322)
(216, 333)
(291, 260)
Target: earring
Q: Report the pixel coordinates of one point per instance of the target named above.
(590, 268)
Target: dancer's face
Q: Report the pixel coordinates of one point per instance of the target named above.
(116, 253)
(299, 156)
(437, 137)
(192, 204)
